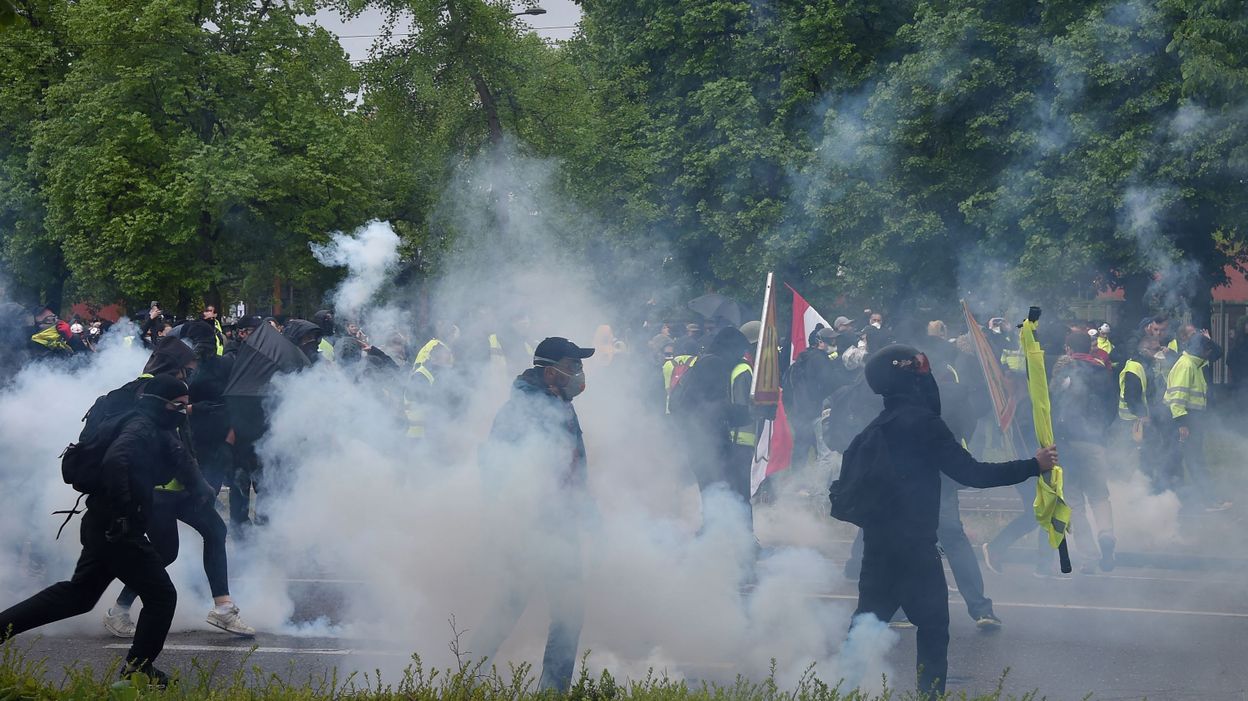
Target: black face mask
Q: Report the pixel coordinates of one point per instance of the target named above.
(154, 408)
(928, 391)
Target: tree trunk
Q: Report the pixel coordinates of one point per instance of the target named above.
(1135, 307)
(277, 294)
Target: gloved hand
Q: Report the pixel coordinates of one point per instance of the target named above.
(117, 530)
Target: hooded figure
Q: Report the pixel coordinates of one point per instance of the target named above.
(306, 335)
(144, 453)
(894, 465)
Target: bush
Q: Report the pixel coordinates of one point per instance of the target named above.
(23, 679)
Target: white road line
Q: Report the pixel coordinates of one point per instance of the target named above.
(1079, 607)
(269, 650)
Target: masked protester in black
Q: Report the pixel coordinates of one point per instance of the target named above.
(901, 565)
(173, 502)
(306, 335)
(540, 423)
(145, 453)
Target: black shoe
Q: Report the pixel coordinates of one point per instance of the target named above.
(1107, 543)
(135, 673)
(988, 623)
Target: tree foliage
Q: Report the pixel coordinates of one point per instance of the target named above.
(902, 152)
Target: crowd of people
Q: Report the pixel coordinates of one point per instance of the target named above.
(168, 442)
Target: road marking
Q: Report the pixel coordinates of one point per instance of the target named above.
(268, 650)
(1079, 607)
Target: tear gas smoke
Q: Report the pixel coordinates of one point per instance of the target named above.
(429, 532)
(369, 254)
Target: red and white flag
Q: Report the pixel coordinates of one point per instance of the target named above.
(774, 451)
(805, 318)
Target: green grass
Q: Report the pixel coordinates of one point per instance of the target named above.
(24, 679)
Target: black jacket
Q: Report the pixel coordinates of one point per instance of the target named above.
(921, 447)
(539, 424)
(809, 380)
(141, 458)
(210, 419)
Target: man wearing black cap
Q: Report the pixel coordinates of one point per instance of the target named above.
(903, 453)
(538, 425)
(145, 453)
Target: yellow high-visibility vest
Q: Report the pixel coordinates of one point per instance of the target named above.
(669, 375)
(1136, 368)
(415, 411)
(326, 350)
(1014, 360)
(422, 355)
(219, 335)
(742, 436)
(1186, 388)
(1103, 343)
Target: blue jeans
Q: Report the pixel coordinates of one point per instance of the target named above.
(562, 585)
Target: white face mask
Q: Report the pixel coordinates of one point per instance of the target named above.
(1161, 355)
(876, 324)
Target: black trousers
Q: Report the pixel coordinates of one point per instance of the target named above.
(905, 573)
(245, 476)
(167, 509)
(134, 561)
(730, 466)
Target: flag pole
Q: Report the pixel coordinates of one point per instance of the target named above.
(765, 387)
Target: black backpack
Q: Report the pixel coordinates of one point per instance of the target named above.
(862, 495)
(803, 389)
(82, 460)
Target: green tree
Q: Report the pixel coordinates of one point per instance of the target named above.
(33, 57)
(199, 143)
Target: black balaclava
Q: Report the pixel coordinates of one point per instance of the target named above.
(324, 319)
(156, 393)
(895, 372)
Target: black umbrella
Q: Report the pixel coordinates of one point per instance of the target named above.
(265, 353)
(716, 305)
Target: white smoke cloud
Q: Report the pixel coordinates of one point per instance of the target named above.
(369, 254)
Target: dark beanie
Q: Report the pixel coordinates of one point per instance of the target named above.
(165, 386)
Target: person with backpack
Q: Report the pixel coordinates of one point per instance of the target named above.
(204, 434)
(809, 380)
(119, 480)
(890, 487)
(713, 401)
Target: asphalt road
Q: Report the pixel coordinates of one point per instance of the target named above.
(1184, 635)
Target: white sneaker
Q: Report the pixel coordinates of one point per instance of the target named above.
(118, 623)
(230, 622)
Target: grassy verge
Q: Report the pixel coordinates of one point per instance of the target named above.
(26, 679)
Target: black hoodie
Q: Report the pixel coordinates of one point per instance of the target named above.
(296, 330)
